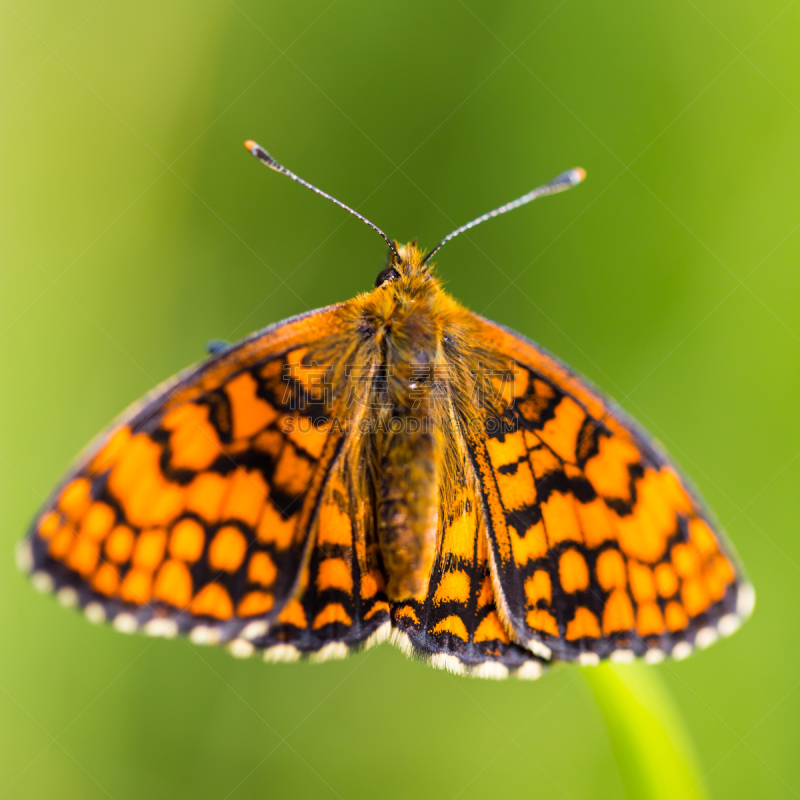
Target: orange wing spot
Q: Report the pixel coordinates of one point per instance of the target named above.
(106, 579)
(491, 630)
(293, 615)
(618, 612)
(136, 481)
(676, 617)
(643, 585)
(611, 570)
(61, 542)
(560, 521)
(694, 596)
(676, 494)
(335, 527)
(540, 620)
(454, 587)
(573, 571)
(193, 440)
(333, 612)
(249, 413)
(98, 521)
(212, 600)
(531, 546)
(666, 580)
(643, 534)
(187, 540)
(272, 370)
(486, 595)
(294, 362)
(227, 549)
(205, 495)
(595, 522)
(655, 503)
(49, 524)
(246, 496)
(517, 490)
(174, 584)
(371, 583)
(311, 438)
(74, 498)
(543, 461)
(255, 603)
(334, 573)
(608, 470)
(723, 569)
(168, 504)
(583, 624)
(84, 556)
(649, 620)
(538, 587)
(269, 442)
(407, 612)
(702, 537)
(453, 625)
(381, 605)
(459, 536)
(149, 550)
(560, 434)
(274, 529)
(110, 452)
(715, 586)
(292, 472)
(261, 569)
(686, 560)
(136, 586)
(119, 544)
(520, 380)
(507, 451)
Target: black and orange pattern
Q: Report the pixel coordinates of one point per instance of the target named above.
(458, 617)
(393, 467)
(196, 505)
(600, 547)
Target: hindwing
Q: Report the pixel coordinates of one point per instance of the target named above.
(339, 603)
(456, 625)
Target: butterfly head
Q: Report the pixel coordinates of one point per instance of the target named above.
(404, 261)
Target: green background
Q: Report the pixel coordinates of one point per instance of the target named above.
(135, 227)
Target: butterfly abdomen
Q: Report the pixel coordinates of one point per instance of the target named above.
(407, 509)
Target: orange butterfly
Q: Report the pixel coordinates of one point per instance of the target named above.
(392, 467)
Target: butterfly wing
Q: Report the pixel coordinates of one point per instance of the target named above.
(598, 545)
(456, 625)
(192, 511)
(339, 604)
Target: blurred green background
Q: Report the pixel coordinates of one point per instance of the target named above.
(135, 227)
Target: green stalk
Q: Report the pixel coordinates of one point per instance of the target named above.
(651, 746)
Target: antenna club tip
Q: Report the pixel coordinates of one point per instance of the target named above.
(578, 174)
(251, 145)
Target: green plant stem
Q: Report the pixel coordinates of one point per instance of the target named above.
(651, 746)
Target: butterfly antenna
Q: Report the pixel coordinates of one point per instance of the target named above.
(566, 180)
(265, 158)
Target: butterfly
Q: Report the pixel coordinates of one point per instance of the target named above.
(394, 467)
